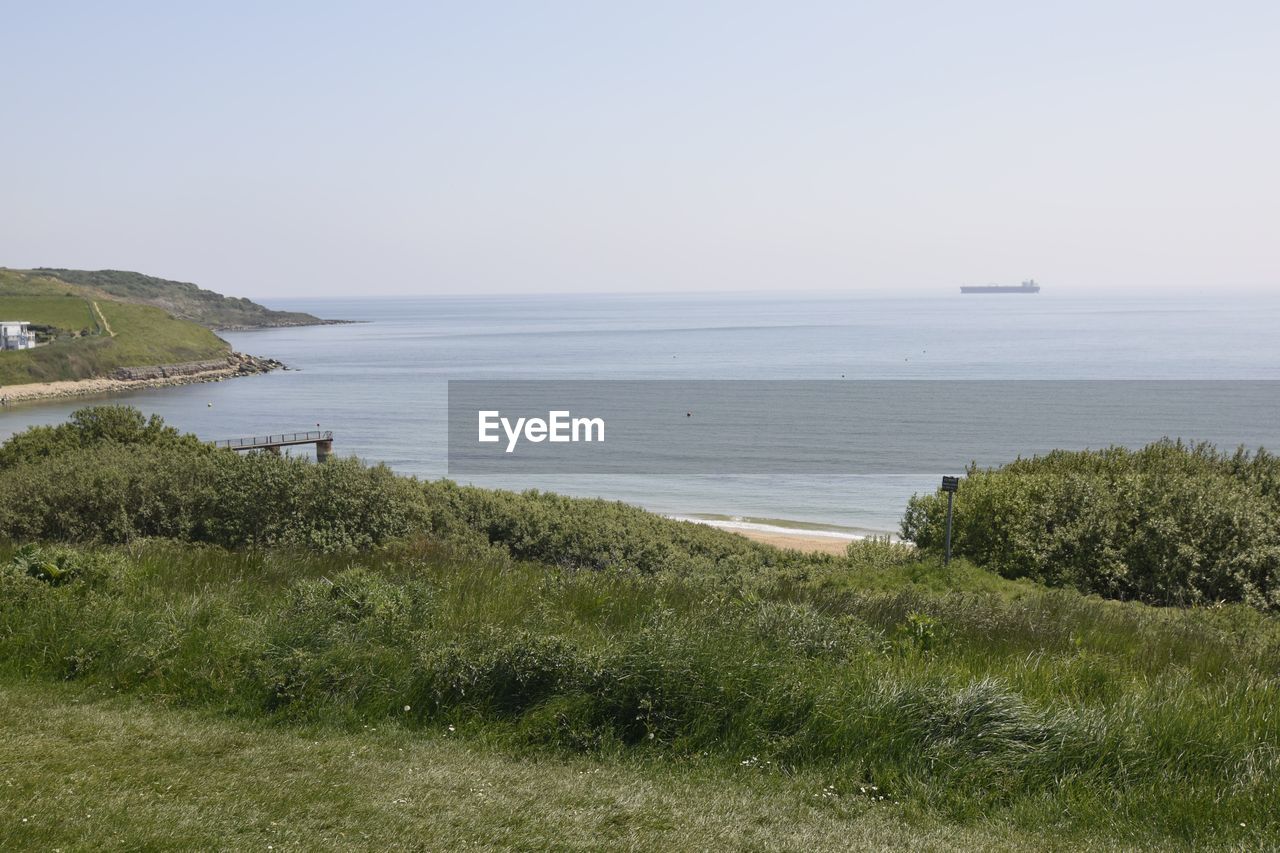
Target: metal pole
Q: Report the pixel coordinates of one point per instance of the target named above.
(946, 559)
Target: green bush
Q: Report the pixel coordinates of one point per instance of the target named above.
(119, 492)
(110, 475)
(53, 565)
(92, 427)
(1168, 524)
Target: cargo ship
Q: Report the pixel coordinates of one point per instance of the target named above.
(1028, 286)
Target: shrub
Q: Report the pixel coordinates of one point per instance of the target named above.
(117, 493)
(1168, 524)
(90, 427)
(112, 476)
(877, 553)
(53, 567)
(592, 534)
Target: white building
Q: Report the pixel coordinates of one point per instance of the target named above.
(15, 334)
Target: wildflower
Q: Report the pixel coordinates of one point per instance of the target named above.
(406, 708)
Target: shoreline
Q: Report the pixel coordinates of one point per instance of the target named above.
(813, 539)
(162, 376)
(268, 327)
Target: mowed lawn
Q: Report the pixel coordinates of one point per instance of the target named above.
(86, 772)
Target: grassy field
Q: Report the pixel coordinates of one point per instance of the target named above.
(79, 770)
(143, 336)
(988, 713)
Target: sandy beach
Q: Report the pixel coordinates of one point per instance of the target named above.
(799, 541)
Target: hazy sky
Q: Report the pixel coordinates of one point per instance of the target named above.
(275, 149)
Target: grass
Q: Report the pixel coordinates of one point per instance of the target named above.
(990, 712)
(144, 335)
(71, 313)
(83, 771)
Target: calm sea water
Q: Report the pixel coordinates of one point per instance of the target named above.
(380, 385)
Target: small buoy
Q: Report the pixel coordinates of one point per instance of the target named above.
(211, 405)
(688, 414)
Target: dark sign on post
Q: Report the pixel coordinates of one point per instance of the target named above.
(950, 485)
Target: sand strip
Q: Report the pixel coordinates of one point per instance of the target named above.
(798, 541)
(824, 541)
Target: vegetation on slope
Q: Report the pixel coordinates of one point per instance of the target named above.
(111, 476)
(1049, 710)
(134, 335)
(183, 300)
(1168, 524)
(67, 313)
(551, 626)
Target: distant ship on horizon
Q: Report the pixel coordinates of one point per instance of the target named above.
(1028, 286)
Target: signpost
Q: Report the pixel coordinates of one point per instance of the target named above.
(949, 485)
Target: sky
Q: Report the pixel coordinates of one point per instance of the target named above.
(332, 149)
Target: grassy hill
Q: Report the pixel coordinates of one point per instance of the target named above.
(65, 312)
(183, 300)
(91, 334)
(431, 665)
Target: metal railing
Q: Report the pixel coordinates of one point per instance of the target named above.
(275, 440)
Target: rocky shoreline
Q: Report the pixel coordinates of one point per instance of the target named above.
(132, 378)
(285, 325)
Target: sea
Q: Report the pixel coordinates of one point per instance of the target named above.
(381, 384)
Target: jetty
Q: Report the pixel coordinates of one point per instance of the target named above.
(322, 439)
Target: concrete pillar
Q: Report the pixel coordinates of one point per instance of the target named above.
(324, 449)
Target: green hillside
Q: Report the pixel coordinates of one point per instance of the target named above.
(90, 336)
(200, 648)
(183, 300)
(71, 313)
